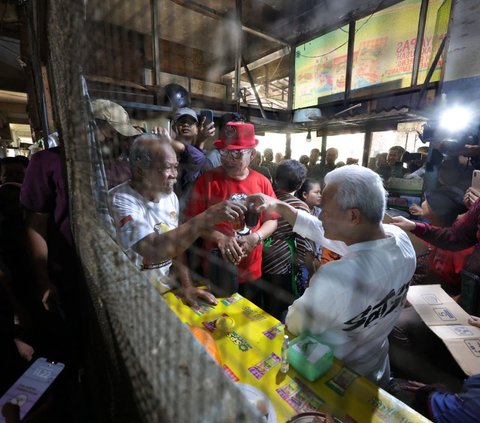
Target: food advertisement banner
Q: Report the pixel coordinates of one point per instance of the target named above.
(384, 50)
(385, 45)
(320, 67)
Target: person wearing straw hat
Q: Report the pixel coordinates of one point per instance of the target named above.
(114, 132)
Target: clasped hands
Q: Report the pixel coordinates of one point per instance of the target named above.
(235, 249)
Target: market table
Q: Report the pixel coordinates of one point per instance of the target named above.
(250, 355)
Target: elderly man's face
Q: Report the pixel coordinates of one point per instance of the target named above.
(235, 162)
(333, 218)
(162, 174)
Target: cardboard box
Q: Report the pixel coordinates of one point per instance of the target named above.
(450, 323)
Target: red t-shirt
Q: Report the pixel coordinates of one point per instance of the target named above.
(215, 186)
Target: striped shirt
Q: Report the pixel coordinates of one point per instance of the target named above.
(277, 258)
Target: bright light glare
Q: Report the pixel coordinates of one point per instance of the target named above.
(456, 119)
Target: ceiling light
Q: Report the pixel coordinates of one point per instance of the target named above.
(309, 136)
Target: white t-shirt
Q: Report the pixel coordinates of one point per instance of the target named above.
(310, 227)
(353, 303)
(135, 218)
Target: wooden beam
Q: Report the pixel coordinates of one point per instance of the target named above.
(266, 60)
(7, 108)
(48, 99)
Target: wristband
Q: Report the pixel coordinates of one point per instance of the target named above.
(260, 239)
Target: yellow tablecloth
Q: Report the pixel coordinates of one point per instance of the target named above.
(257, 336)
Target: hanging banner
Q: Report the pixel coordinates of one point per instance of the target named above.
(320, 67)
(384, 51)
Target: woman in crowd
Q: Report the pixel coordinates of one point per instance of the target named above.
(442, 207)
(311, 193)
(462, 234)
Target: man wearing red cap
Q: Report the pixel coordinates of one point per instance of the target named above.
(234, 180)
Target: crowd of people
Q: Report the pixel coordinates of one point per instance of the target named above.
(303, 240)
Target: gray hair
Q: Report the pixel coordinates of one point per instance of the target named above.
(141, 149)
(359, 188)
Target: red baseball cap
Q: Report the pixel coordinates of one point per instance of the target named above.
(236, 136)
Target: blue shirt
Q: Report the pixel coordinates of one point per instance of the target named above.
(455, 408)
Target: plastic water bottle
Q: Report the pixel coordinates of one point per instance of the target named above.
(285, 364)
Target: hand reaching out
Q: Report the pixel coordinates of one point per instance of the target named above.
(25, 350)
(193, 294)
(262, 202)
(162, 132)
(474, 321)
(415, 210)
(471, 197)
(405, 224)
(225, 211)
(50, 298)
(204, 132)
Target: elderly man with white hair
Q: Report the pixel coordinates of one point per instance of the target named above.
(146, 213)
(353, 303)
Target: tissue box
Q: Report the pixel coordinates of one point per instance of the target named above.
(309, 356)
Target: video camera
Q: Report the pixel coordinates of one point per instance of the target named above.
(452, 132)
(448, 143)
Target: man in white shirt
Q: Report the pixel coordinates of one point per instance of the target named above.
(146, 212)
(353, 303)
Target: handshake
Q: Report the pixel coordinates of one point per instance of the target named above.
(243, 213)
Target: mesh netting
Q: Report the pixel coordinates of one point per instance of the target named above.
(146, 366)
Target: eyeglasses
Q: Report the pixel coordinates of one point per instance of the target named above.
(234, 154)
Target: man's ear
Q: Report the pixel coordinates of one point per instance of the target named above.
(355, 216)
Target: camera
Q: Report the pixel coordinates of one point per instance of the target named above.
(410, 157)
(452, 131)
(455, 146)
